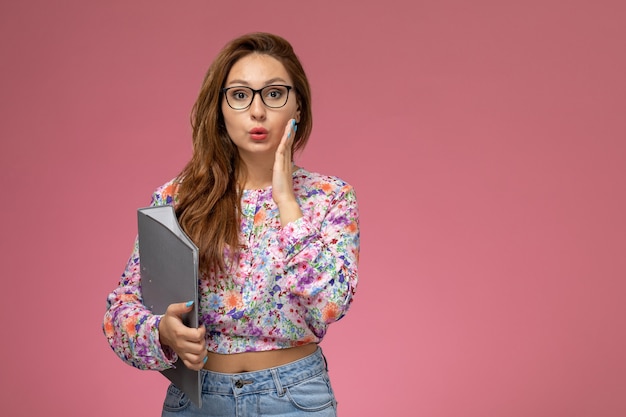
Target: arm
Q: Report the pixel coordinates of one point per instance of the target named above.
(130, 328)
(321, 261)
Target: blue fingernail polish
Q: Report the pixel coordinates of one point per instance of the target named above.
(288, 135)
(189, 303)
(205, 359)
(293, 122)
(295, 128)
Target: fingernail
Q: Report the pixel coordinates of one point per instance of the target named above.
(288, 135)
(205, 359)
(293, 122)
(189, 303)
(295, 128)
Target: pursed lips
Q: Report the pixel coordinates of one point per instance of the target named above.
(258, 133)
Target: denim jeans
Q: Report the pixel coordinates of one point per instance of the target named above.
(299, 388)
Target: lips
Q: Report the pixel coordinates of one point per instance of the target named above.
(258, 133)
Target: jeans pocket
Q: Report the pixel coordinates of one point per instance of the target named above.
(175, 399)
(313, 394)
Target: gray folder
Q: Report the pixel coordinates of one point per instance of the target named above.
(169, 274)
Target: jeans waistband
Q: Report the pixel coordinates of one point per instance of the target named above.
(266, 380)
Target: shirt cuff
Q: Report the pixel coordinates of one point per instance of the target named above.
(165, 352)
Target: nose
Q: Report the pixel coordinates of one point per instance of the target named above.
(257, 108)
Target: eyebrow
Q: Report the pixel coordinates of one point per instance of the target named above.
(268, 82)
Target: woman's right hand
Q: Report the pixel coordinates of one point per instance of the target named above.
(188, 343)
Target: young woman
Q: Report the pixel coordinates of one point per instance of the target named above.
(278, 248)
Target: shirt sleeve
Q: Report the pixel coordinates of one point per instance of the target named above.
(130, 328)
(321, 262)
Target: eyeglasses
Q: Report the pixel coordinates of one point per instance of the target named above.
(273, 96)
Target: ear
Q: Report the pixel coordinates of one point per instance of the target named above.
(297, 115)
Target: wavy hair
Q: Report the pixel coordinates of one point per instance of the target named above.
(208, 200)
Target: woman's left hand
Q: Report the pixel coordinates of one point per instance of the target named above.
(282, 180)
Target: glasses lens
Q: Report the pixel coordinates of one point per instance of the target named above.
(239, 97)
(275, 95)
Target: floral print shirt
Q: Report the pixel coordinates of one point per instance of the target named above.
(288, 285)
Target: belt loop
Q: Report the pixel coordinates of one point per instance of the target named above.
(279, 386)
(325, 361)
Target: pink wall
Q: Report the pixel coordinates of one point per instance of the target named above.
(486, 141)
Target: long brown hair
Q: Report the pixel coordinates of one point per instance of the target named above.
(208, 204)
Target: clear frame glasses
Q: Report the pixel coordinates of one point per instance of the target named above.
(273, 96)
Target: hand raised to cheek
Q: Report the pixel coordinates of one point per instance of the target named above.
(282, 180)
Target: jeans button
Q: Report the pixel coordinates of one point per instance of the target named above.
(241, 382)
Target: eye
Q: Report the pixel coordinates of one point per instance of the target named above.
(239, 94)
(274, 92)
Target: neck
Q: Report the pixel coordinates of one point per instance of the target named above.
(257, 171)
(257, 177)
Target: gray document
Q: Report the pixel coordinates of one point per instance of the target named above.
(169, 274)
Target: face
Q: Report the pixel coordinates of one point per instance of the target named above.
(258, 129)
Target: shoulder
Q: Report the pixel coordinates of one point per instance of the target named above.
(166, 194)
(309, 183)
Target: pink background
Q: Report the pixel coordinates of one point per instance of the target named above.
(486, 142)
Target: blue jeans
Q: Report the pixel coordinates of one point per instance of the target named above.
(299, 388)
